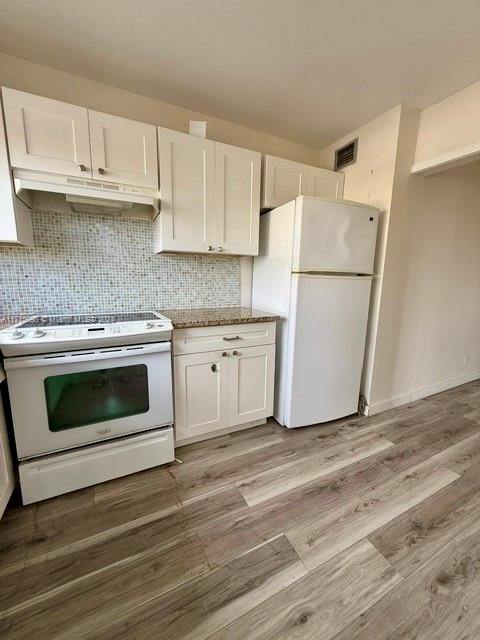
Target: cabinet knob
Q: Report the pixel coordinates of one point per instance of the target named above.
(224, 354)
(82, 167)
(210, 248)
(101, 171)
(220, 249)
(213, 367)
(236, 353)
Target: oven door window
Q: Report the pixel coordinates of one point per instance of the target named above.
(88, 397)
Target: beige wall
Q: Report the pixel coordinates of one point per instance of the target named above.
(424, 332)
(45, 81)
(370, 180)
(450, 124)
(429, 337)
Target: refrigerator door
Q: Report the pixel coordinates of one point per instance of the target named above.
(334, 236)
(326, 343)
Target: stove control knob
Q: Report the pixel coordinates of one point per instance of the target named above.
(149, 325)
(17, 334)
(39, 333)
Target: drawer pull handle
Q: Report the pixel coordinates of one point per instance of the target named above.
(213, 367)
(230, 339)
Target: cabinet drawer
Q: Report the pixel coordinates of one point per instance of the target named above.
(201, 339)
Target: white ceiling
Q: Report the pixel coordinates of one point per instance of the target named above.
(305, 70)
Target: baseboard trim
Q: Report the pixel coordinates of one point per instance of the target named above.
(424, 392)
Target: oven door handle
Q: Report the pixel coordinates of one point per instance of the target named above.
(93, 355)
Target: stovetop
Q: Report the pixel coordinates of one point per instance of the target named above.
(100, 318)
(45, 334)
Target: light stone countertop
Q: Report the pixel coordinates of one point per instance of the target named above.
(214, 316)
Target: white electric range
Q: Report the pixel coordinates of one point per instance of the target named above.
(91, 398)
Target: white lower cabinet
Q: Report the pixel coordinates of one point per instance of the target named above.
(216, 390)
(250, 384)
(201, 393)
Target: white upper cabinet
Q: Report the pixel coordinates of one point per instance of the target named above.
(324, 183)
(15, 221)
(56, 137)
(210, 196)
(46, 135)
(187, 218)
(237, 199)
(285, 180)
(123, 151)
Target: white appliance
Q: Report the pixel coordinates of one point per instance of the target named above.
(76, 382)
(314, 269)
(86, 195)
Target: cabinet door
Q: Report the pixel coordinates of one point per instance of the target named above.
(251, 382)
(283, 180)
(123, 150)
(15, 221)
(201, 394)
(187, 218)
(7, 480)
(237, 199)
(324, 183)
(46, 135)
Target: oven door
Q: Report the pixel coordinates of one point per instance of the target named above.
(66, 400)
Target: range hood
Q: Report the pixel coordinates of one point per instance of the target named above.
(93, 195)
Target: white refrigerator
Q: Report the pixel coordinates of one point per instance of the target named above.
(314, 269)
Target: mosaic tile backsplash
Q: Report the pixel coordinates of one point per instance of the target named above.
(88, 263)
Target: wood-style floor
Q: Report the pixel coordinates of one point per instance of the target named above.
(364, 529)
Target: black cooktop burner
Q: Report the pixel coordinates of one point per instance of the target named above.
(92, 318)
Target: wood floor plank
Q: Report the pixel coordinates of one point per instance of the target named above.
(223, 448)
(273, 482)
(202, 479)
(317, 541)
(439, 435)
(461, 394)
(79, 607)
(412, 412)
(177, 552)
(38, 580)
(245, 528)
(203, 606)
(322, 603)
(156, 479)
(412, 538)
(60, 535)
(438, 601)
(461, 456)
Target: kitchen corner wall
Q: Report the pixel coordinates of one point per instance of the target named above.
(425, 313)
(89, 263)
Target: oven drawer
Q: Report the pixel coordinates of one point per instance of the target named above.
(202, 339)
(63, 472)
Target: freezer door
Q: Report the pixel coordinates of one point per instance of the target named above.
(336, 236)
(326, 343)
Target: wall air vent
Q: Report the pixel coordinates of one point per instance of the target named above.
(346, 155)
